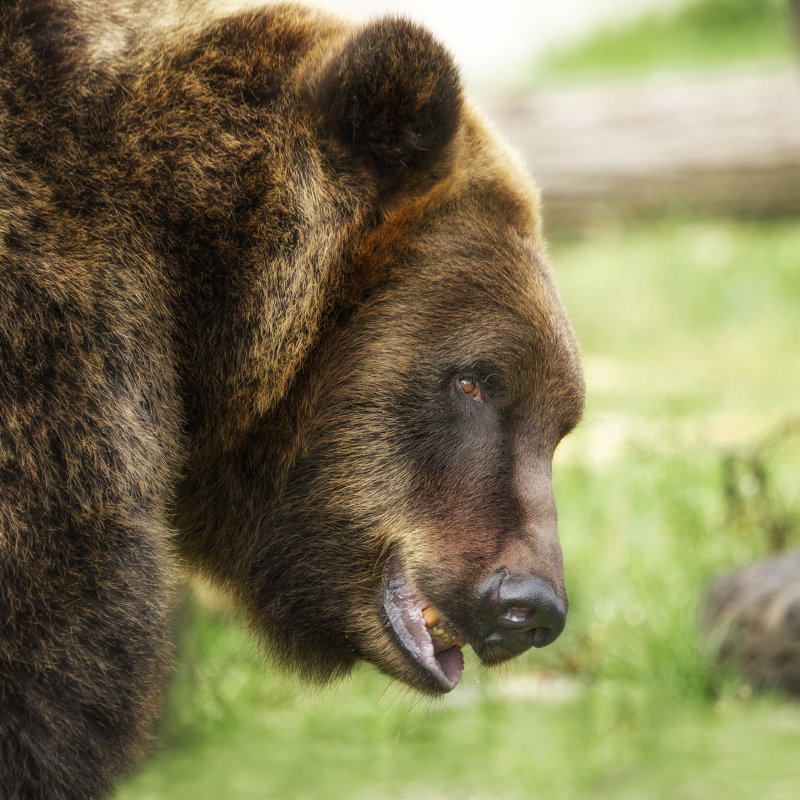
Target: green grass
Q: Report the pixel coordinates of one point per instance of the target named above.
(699, 34)
(690, 333)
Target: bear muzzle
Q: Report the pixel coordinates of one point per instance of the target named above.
(513, 611)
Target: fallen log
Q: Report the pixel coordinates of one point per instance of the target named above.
(712, 143)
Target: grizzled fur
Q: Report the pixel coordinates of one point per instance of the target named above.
(242, 257)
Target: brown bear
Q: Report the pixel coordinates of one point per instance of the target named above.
(274, 308)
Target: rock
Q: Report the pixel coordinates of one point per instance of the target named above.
(751, 619)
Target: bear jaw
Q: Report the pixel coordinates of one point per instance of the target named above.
(435, 649)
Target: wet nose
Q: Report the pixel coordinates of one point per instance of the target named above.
(518, 610)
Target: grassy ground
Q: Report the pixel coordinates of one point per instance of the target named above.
(703, 33)
(690, 333)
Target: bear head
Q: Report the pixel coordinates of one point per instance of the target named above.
(418, 515)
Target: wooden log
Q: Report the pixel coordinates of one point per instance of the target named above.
(712, 143)
(751, 620)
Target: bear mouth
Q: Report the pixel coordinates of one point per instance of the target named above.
(421, 631)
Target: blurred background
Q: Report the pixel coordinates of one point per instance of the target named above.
(665, 135)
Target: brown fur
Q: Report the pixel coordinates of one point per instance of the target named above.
(241, 259)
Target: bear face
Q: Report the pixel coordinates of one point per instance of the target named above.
(426, 469)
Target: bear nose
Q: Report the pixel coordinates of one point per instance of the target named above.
(518, 610)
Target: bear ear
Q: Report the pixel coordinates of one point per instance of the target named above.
(391, 96)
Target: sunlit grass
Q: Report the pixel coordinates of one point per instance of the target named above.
(696, 320)
(690, 331)
(701, 33)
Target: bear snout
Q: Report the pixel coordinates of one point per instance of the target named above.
(510, 612)
(516, 611)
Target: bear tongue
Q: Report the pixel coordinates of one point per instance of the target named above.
(403, 605)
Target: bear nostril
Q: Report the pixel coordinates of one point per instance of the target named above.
(544, 636)
(516, 617)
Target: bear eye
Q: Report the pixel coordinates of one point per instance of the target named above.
(471, 387)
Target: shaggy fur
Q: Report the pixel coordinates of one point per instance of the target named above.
(243, 258)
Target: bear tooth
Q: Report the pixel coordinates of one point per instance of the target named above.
(443, 637)
(431, 616)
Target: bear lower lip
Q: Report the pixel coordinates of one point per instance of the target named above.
(438, 655)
